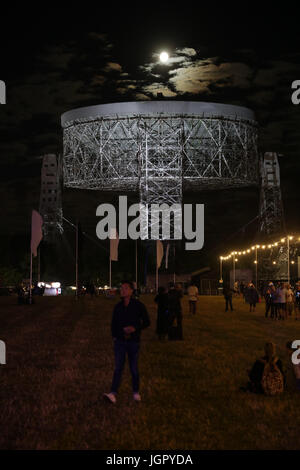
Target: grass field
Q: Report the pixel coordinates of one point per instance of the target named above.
(59, 362)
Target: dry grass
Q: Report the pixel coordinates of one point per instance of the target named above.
(59, 362)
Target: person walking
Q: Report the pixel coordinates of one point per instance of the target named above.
(129, 318)
(281, 301)
(290, 300)
(269, 298)
(162, 313)
(193, 297)
(251, 296)
(227, 292)
(175, 312)
(297, 300)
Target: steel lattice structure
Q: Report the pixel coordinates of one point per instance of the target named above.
(160, 148)
(50, 198)
(272, 217)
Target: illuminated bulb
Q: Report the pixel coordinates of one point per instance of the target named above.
(291, 238)
(293, 262)
(244, 252)
(248, 251)
(240, 253)
(269, 246)
(255, 262)
(274, 262)
(263, 247)
(283, 240)
(236, 260)
(276, 244)
(257, 246)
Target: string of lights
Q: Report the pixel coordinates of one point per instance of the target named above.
(265, 246)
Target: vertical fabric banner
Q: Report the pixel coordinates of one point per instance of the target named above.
(36, 231)
(167, 255)
(159, 253)
(114, 243)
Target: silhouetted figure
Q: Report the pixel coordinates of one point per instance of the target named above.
(162, 313)
(175, 312)
(227, 292)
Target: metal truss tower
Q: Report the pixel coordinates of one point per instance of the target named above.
(50, 198)
(160, 149)
(272, 223)
(271, 209)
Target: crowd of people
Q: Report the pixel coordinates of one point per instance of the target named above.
(267, 375)
(281, 299)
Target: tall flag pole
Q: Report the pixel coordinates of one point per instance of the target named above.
(113, 252)
(174, 275)
(76, 256)
(136, 264)
(159, 257)
(36, 237)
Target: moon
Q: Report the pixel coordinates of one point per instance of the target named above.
(164, 56)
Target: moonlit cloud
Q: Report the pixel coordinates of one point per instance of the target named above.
(156, 88)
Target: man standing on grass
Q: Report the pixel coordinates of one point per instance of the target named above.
(129, 318)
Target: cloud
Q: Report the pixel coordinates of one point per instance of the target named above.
(156, 88)
(113, 67)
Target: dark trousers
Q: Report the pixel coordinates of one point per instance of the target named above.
(269, 305)
(121, 348)
(228, 301)
(193, 304)
(178, 317)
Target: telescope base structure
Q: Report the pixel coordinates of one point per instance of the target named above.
(272, 222)
(50, 198)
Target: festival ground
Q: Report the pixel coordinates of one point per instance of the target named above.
(60, 361)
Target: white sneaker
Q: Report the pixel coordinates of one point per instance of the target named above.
(137, 397)
(110, 397)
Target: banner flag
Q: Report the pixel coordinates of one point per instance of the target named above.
(114, 243)
(167, 255)
(159, 253)
(36, 231)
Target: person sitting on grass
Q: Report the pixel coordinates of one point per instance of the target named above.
(266, 375)
(293, 370)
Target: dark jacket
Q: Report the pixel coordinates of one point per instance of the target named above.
(174, 301)
(251, 295)
(162, 301)
(135, 314)
(227, 292)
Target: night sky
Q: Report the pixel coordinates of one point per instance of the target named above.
(59, 58)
